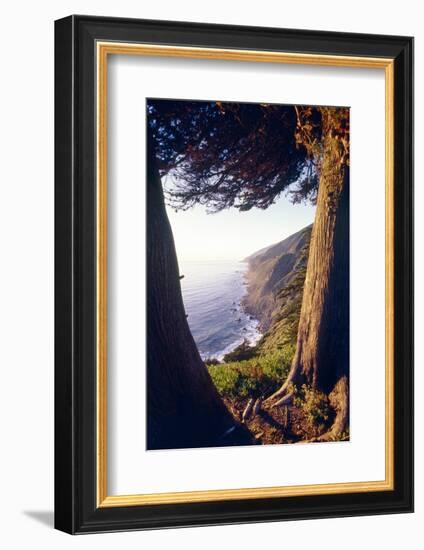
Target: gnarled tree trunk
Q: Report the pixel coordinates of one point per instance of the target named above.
(322, 352)
(184, 408)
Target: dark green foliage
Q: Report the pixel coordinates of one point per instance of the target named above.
(240, 353)
(212, 361)
(229, 154)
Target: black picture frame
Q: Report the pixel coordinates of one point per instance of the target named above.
(76, 510)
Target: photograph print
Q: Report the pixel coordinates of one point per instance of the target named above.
(247, 274)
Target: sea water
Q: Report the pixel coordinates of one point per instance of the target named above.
(212, 294)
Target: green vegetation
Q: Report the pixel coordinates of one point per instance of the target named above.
(241, 353)
(255, 377)
(314, 404)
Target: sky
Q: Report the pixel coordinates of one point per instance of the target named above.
(234, 235)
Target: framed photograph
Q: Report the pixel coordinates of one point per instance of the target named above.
(234, 274)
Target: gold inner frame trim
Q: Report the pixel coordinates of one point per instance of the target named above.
(103, 50)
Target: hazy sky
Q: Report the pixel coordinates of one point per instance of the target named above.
(233, 235)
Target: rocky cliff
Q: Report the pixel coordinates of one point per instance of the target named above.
(275, 281)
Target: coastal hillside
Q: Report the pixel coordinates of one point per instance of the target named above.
(275, 279)
(291, 244)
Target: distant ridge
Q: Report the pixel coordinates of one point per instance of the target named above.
(289, 244)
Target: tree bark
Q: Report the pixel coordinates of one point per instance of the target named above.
(322, 351)
(184, 408)
(339, 400)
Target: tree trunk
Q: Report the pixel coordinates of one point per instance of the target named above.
(322, 352)
(339, 400)
(184, 408)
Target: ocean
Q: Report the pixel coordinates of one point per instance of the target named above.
(212, 294)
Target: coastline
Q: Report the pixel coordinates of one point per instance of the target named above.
(251, 332)
(214, 296)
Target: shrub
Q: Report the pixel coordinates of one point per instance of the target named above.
(277, 364)
(314, 404)
(212, 361)
(224, 378)
(240, 353)
(254, 377)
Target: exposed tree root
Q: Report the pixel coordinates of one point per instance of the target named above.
(279, 393)
(247, 411)
(286, 400)
(256, 407)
